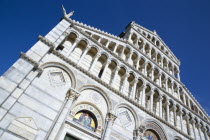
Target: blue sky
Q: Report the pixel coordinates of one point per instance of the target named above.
(184, 25)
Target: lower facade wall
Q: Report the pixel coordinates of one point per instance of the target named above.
(31, 107)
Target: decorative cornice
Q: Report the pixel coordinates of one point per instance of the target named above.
(117, 92)
(46, 41)
(33, 62)
(30, 60)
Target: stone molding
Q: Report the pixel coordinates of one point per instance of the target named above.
(33, 62)
(118, 93)
(145, 76)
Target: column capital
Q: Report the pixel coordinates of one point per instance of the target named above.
(110, 117)
(160, 98)
(198, 125)
(72, 94)
(167, 103)
(139, 131)
(108, 61)
(127, 74)
(98, 55)
(117, 68)
(192, 121)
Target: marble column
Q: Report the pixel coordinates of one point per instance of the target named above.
(124, 83)
(115, 48)
(205, 133)
(199, 130)
(107, 44)
(160, 80)
(178, 75)
(193, 124)
(94, 62)
(105, 68)
(73, 46)
(121, 54)
(143, 95)
(99, 40)
(184, 98)
(151, 100)
(160, 106)
(137, 62)
(181, 121)
(134, 89)
(115, 75)
(166, 82)
(178, 92)
(71, 96)
(152, 74)
(150, 51)
(143, 47)
(145, 69)
(175, 117)
(83, 55)
(188, 125)
(129, 57)
(110, 118)
(167, 110)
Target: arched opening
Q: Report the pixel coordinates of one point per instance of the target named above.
(98, 68)
(87, 61)
(134, 39)
(78, 51)
(68, 42)
(119, 79)
(109, 73)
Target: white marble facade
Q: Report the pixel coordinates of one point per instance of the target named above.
(79, 82)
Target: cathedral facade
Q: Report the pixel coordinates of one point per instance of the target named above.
(81, 83)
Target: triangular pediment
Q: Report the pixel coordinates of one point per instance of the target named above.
(155, 39)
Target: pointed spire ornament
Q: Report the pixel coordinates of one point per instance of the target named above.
(65, 14)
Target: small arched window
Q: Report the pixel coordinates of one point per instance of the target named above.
(86, 119)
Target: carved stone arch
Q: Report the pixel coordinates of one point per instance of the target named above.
(132, 72)
(99, 90)
(143, 59)
(115, 61)
(63, 67)
(123, 66)
(85, 40)
(74, 32)
(141, 79)
(103, 118)
(172, 101)
(133, 112)
(128, 47)
(177, 138)
(93, 111)
(135, 52)
(95, 47)
(151, 124)
(104, 53)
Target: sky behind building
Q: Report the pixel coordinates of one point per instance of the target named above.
(183, 25)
